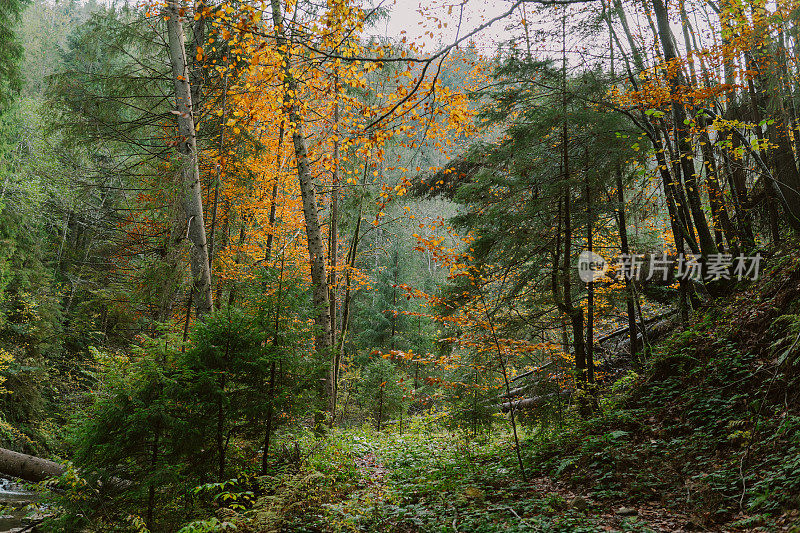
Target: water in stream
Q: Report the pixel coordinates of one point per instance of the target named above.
(14, 499)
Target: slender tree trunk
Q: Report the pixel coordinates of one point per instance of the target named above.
(333, 251)
(186, 320)
(316, 251)
(212, 232)
(218, 175)
(623, 238)
(680, 217)
(198, 41)
(221, 428)
(722, 222)
(504, 369)
(63, 237)
(637, 55)
(239, 258)
(575, 313)
(392, 342)
(736, 181)
(151, 489)
(268, 418)
(590, 288)
(272, 368)
(190, 193)
(621, 219)
(351, 264)
(563, 297)
(223, 245)
(642, 321)
(273, 205)
(681, 133)
(380, 407)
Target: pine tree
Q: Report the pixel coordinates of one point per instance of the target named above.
(525, 197)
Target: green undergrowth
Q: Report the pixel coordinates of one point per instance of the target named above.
(705, 435)
(710, 425)
(423, 479)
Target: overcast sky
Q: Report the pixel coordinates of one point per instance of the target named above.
(412, 18)
(406, 17)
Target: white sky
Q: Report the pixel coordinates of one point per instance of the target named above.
(413, 18)
(406, 17)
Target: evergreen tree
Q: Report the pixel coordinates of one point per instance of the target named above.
(10, 50)
(382, 391)
(127, 443)
(382, 322)
(525, 196)
(219, 371)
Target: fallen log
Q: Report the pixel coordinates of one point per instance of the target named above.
(523, 375)
(654, 319)
(531, 372)
(654, 332)
(515, 393)
(530, 403)
(28, 467)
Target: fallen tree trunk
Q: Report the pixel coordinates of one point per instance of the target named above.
(536, 401)
(28, 467)
(531, 372)
(620, 331)
(515, 393)
(654, 332)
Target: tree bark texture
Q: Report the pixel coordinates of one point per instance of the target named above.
(190, 193)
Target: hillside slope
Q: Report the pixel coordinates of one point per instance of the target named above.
(711, 424)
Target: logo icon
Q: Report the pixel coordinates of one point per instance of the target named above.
(591, 266)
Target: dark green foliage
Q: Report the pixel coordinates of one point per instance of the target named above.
(10, 50)
(223, 377)
(173, 417)
(162, 422)
(380, 319)
(44, 30)
(114, 87)
(383, 391)
(512, 190)
(125, 443)
(473, 398)
(30, 310)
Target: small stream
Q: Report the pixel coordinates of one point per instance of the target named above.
(14, 499)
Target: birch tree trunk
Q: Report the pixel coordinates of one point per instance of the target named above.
(190, 193)
(316, 247)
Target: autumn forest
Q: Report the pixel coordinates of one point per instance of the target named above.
(449, 265)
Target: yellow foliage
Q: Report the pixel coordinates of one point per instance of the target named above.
(6, 359)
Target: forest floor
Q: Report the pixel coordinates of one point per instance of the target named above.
(486, 498)
(432, 480)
